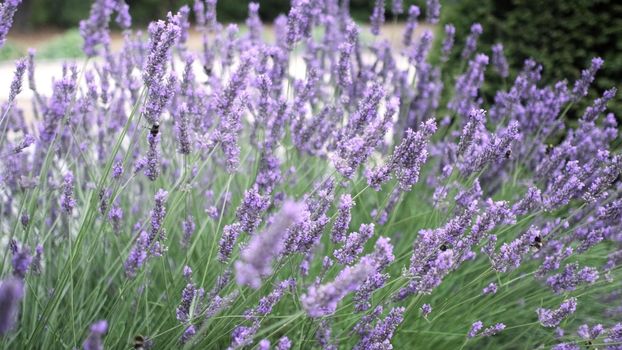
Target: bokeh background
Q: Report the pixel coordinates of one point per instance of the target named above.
(562, 35)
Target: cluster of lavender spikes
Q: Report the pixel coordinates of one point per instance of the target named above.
(244, 160)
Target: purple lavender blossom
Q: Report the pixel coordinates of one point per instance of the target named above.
(11, 294)
(377, 17)
(411, 25)
(475, 328)
(250, 210)
(94, 340)
(448, 42)
(586, 333)
(256, 259)
(471, 41)
(433, 11)
(600, 105)
(21, 261)
(340, 226)
(499, 62)
(94, 30)
(397, 7)
(16, 84)
(162, 36)
(7, 11)
(66, 199)
(190, 296)
(468, 85)
(380, 336)
(321, 300)
(153, 166)
(552, 318)
(188, 227)
(571, 277)
(426, 309)
(283, 344)
(587, 77)
(354, 244)
(490, 289)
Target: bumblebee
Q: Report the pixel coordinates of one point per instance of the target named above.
(537, 243)
(155, 129)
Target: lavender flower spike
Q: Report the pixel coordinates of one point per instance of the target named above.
(322, 300)
(499, 62)
(448, 42)
(16, 84)
(411, 25)
(587, 77)
(66, 198)
(11, 293)
(433, 11)
(552, 318)
(94, 340)
(340, 227)
(256, 259)
(377, 17)
(7, 11)
(471, 41)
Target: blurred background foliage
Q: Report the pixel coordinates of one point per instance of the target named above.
(562, 35)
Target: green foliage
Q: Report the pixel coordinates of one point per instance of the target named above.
(561, 35)
(10, 51)
(68, 45)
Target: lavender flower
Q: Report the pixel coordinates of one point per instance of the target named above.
(475, 328)
(250, 210)
(426, 309)
(354, 244)
(377, 17)
(7, 11)
(321, 300)
(499, 61)
(94, 341)
(21, 261)
(162, 36)
(411, 25)
(16, 84)
(340, 226)
(95, 30)
(190, 296)
(256, 259)
(152, 169)
(586, 333)
(283, 344)
(188, 227)
(380, 336)
(448, 42)
(433, 11)
(490, 289)
(600, 105)
(11, 293)
(551, 318)
(397, 7)
(587, 77)
(471, 41)
(66, 198)
(571, 277)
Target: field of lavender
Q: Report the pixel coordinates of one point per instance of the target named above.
(325, 189)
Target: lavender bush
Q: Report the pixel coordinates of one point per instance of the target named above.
(306, 192)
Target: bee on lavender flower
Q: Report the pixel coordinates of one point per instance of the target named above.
(548, 149)
(508, 154)
(443, 247)
(155, 129)
(536, 244)
(141, 343)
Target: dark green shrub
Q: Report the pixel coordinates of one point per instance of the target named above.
(561, 35)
